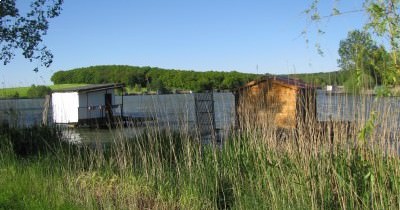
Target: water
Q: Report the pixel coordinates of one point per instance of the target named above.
(178, 111)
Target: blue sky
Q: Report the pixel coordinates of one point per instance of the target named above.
(198, 35)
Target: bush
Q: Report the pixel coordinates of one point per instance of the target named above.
(39, 91)
(357, 83)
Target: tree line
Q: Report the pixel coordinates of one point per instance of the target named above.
(153, 78)
(324, 78)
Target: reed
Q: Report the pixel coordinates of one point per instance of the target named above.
(327, 165)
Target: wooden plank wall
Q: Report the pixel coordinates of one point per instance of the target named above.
(267, 104)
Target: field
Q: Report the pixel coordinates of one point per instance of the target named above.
(21, 92)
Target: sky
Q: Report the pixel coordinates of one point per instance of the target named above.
(252, 36)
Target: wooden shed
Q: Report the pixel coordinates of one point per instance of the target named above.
(86, 105)
(275, 101)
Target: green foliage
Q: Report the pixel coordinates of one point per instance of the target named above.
(355, 51)
(153, 77)
(360, 54)
(137, 88)
(16, 95)
(158, 85)
(382, 91)
(324, 78)
(38, 91)
(24, 31)
(355, 83)
(368, 128)
(359, 51)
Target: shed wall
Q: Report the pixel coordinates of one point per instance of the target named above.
(93, 99)
(284, 105)
(65, 107)
(267, 104)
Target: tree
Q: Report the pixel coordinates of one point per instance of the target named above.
(355, 50)
(158, 85)
(360, 54)
(39, 91)
(383, 20)
(24, 31)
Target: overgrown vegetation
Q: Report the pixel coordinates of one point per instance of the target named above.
(327, 167)
(38, 91)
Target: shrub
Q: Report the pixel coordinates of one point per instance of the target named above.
(39, 91)
(356, 83)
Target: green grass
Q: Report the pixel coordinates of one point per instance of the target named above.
(169, 170)
(21, 92)
(27, 185)
(14, 92)
(131, 90)
(65, 86)
(164, 168)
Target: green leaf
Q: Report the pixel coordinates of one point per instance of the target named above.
(335, 11)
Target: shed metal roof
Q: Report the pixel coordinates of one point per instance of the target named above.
(93, 88)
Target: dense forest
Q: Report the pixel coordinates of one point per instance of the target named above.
(153, 78)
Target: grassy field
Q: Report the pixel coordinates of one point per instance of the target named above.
(21, 92)
(165, 171)
(163, 168)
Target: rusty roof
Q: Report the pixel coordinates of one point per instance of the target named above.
(283, 80)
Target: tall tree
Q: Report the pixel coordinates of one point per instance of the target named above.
(383, 19)
(24, 31)
(356, 50)
(361, 55)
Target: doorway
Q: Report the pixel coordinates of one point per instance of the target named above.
(108, 103)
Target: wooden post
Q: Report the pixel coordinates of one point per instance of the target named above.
(331, 133)
(237, 119)
(45, 112)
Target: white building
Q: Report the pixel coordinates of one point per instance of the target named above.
(329, 88)
(86, 104)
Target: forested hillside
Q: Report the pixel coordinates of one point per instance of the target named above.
(153, 78)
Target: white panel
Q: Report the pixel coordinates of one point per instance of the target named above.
(65, 107)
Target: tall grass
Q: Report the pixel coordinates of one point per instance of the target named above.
(319, 166)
